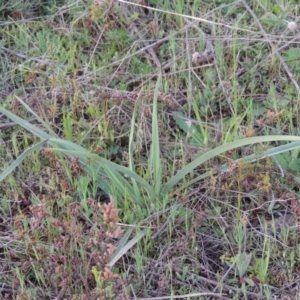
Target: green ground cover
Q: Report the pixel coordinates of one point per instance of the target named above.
(149, 149)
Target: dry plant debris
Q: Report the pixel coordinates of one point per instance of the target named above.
(83, 70)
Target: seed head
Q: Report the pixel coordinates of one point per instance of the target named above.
(292, 26)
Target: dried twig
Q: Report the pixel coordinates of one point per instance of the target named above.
(5, 288)
(287, 70)
(208, 56)
(197, 19)
(153, 45)
(150, 49)
(11, 124)
(192, 295)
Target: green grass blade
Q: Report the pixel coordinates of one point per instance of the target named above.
(122, 243)
(28, 108)
(221, 149)
(106, 163)
(73, 149)
(130, 151)
(250, 158)
(118, 182)
(20, 159)
(155, 147)
(28, 126)
(122, 250)
(101, 182)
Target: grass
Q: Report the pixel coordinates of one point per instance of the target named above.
(149, 152)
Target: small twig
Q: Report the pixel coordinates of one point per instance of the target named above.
(224, 286)
(61, 293)
(197, 19)
(182, 296)
(11, 124)
(189, 93)
(164, 226)
(216, 283)
(21, 55)
(209, 56)
(7, 125)
(150, 49)
(156, 44)
(5, 288)
(188, 286)
(37, 60)
(287, 70)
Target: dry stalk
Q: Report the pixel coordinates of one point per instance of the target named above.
(287, 70)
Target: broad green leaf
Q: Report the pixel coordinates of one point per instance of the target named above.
(283, 159)
(191, 130)
(294, 165)
(276, 9)
(292, 54)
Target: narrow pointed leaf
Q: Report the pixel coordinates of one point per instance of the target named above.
(20, 159)
(221, 149)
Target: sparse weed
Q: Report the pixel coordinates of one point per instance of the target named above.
(147, 150)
